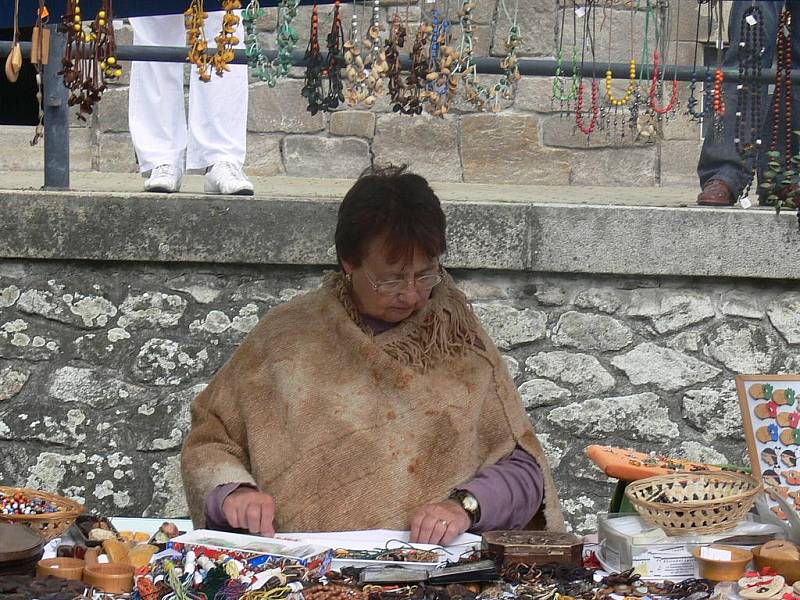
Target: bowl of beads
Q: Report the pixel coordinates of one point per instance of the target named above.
(47, 514)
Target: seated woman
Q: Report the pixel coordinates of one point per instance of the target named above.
(375, 401)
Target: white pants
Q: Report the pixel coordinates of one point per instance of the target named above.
(217, 129)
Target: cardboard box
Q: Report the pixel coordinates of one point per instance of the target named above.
(253, 550)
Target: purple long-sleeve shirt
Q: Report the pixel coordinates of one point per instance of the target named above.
(509, 492)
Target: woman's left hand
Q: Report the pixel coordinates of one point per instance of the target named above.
(439, 523)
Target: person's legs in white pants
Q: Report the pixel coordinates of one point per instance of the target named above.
(156, 114)
(218, 109)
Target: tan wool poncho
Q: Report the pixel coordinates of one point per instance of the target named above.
(349, 430)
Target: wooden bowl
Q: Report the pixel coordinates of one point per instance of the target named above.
(723, 570)
(789, 568)
(110, 577)
(62, 567)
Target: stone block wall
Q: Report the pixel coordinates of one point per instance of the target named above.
(100, 360)
(528, 143)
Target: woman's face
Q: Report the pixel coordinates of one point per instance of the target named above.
(375, 268)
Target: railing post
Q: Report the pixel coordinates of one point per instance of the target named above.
(56, 116)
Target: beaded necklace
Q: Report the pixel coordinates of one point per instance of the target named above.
(375, 54)
(474, 92)
(442, 84)
(748, 113)
(334, 61)
(312, 90)
(657, 85)
(416, 79)
(782, 165)
(194, 20)
(559, 92)
(355, 72)
(612, 102)
(505, 87)
(226, 39)
(393, 44)
(89, 57)
(594, 109)
(261, 67)
(708, 88)
(718, 102)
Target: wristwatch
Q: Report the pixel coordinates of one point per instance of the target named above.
(469, 503)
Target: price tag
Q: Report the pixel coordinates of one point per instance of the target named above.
(580, 11)
(744, 203)
(751, 20)
(715, 553)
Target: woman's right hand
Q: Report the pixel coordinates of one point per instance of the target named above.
(250, 509)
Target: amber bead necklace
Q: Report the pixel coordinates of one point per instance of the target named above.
(594, 108)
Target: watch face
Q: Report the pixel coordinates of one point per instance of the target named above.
(469, 503)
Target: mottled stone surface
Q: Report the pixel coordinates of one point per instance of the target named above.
(784, 313)
(509, 326)
(581, 371)
(741, 347)
(591, 332)
(668, 369)
(714, 412)
(542, 392)
(670, 310)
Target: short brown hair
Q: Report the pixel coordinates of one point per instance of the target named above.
(388, 201)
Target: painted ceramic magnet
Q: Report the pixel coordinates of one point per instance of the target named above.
(769, 457)
(790, 437)
(761, 391)
(776, 492)
(770, 477)
(784, 397)
(769, 433)
(791, 477)
(789, 458)
(766, 410)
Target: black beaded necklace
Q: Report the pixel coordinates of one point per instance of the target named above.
(708, 85)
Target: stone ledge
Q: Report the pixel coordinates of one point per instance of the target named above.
(561, 238)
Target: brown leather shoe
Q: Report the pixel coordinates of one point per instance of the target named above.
(716, 193)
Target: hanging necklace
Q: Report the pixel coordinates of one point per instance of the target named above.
(611, 99)
(38, 44)
(691, 103)
(261, 67)
(504, 88)
(417, 77)
(595, 93)
(334, 61)
(194, 20)
(779, 163)
(355, 71)
(89, 57)
(718, 103)
(14, 59)
(393, 44)
(559, 92)
(474, 92)
(657, 85)
(442, 84)
(226, 39)
(748, 104)
(312, 90)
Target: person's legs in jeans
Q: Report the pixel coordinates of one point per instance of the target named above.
(719, 159)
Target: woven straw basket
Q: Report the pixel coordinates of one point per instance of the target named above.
(48, 525)
(698, 502)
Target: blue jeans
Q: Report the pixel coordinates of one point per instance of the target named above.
(719, 158)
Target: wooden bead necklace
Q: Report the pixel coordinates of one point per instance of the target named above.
(718, 101)
(195, 18)
(657, 84)
(226, 39)
(414, 84)
(89, 57)
(594, 109)
(611, 99)
(393, 44)
(312, 90)
(334, 61)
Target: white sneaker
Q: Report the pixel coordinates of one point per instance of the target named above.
(164, 178)
(227, 178)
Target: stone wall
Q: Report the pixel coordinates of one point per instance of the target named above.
(100, 360)
(527, 143)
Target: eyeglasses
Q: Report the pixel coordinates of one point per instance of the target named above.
(398, 286)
